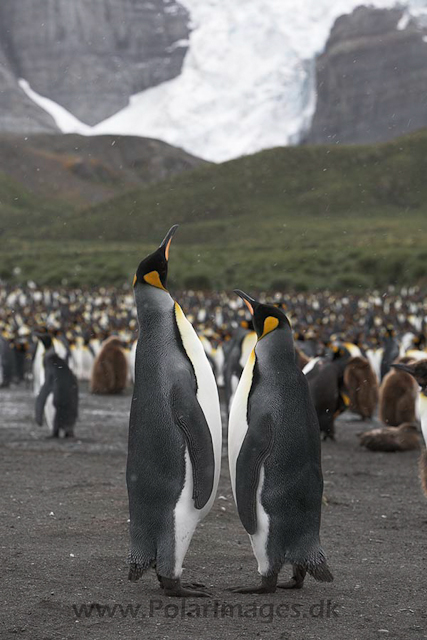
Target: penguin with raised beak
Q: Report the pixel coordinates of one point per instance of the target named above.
(174, 451)
(274, 456)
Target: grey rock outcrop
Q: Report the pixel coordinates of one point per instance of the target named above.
(88, 56)
(371, 79)
(17, 111)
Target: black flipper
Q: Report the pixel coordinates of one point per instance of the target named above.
(255, 448)
(41, 401)
(189, 417)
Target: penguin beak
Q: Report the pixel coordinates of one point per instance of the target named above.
(249, 302)
(168, 239)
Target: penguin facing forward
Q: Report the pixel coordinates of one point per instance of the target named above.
(419, 371)
(326, 383)
(174, 450)
(58, 397)
(362, 387)
(274, 456)
(398, 395)
(38, 361)
(110, 369)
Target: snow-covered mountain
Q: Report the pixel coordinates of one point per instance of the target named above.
(247, 82)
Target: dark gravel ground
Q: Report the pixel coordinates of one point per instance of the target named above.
(64, 544)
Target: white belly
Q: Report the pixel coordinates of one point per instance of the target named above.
(60, 349)
(186, 517)
(218, 357)
(207, 393)
(238, 424)
(260, 539)
(415, 354)
(49, 411)
(87, 361)
(422, 414)
(375, 358)
(237, 429)
(248, 343)
(38, 369)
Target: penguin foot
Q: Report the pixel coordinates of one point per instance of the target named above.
(268, 585)
(291, 584)
(297, 580)
(328, 436)
(187, 585)
(194, 585)
(174, 588)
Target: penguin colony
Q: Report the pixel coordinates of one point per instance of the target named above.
(333, 355)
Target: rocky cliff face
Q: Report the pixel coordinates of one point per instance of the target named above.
(89, 57)
(17, 111)
(371, 79)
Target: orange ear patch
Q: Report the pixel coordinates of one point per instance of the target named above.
(345, 398)
(153, 278)
(134, 280)
(270, 324)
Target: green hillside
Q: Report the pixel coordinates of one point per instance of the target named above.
(305, 217)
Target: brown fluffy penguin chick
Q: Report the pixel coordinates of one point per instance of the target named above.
(403, 438)
(422, 466)
(362, 387)
(398, 396)
(109, 372)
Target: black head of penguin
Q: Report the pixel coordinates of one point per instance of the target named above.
(338, 352)
(265, 317)
(45, 339)
(153, 270)
(418, 369)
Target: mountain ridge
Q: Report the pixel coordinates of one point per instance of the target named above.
(335, 217)
(218, 79)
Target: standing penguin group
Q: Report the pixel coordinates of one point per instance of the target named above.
(175, 436)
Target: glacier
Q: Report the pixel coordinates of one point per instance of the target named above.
(247, 83)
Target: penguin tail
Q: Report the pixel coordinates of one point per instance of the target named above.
(135, 572)
(423, 470)
(321, 572)
(317, 567)
(138, 566)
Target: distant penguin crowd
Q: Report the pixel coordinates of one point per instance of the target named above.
(285, 366)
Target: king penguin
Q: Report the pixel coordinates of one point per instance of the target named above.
(175, 433)
(59, 395)
(274, 456)
(418, 369)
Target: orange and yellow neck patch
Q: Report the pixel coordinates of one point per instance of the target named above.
(153, 278)
(270, 324)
